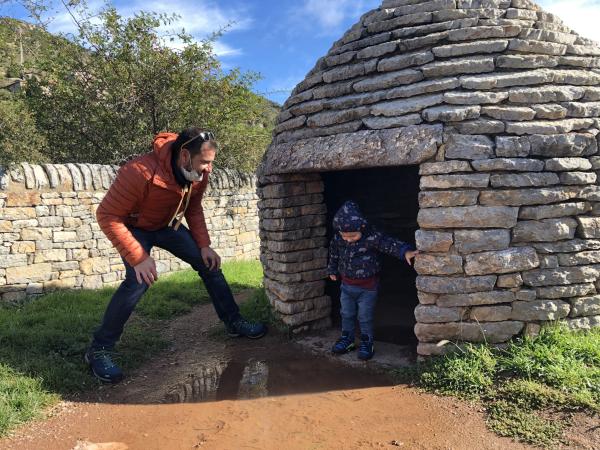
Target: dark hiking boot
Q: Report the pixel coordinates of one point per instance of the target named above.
(344, 344)
(366, 350)
(242, 327)
(102, 365)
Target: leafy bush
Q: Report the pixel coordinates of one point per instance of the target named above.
(100, 96)
(19, 137)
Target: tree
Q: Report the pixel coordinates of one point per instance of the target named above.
(19, 136)
(106, 91)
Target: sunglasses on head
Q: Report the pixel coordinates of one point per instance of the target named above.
(205, 136)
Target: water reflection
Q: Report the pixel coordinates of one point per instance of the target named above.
(250, 377)
(202, 386)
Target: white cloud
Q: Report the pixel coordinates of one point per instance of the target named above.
(222, 49)
(330, 14)
(199, 19)
(60, 21)
(583, 16)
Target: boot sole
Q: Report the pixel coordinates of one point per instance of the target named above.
(101, 378)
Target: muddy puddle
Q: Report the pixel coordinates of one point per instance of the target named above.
(282, 369)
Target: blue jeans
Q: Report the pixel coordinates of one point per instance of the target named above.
(181, 244)
(358, 302)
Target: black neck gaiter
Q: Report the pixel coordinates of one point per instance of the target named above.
(181, 181)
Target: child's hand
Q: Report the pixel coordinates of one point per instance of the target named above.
(333, 277)
(410, 255)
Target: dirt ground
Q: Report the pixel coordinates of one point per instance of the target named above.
(211, 392)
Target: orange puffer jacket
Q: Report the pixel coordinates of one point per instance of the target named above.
(146, 195)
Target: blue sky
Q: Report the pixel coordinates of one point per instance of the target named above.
(283, 39)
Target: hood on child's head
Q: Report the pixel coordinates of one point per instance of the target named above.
(349, 218)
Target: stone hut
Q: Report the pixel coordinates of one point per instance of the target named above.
(467, 126)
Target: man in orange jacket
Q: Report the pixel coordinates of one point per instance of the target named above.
(144, 208)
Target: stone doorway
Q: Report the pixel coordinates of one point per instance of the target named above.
(389, 199)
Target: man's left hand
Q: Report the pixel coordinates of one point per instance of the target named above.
(211, 259)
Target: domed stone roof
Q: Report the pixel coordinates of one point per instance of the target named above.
(476, 67)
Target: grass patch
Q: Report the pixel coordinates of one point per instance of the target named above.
(469, 376)
(525, 387)
(42, 342)
(509, 420)
(258, 309)
(21, 398)
(181, 291)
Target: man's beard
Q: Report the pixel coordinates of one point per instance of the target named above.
(191, 175)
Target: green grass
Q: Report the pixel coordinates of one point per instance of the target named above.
(42, 341)
(527, 387)
(21, 398)
(164, 301)
(510, 420)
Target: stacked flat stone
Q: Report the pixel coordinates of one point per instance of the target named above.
(293, 249)
(499, 104)
(49, 238)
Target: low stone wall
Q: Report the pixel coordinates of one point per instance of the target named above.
(49, 238)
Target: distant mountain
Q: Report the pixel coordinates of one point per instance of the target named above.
(273, 110)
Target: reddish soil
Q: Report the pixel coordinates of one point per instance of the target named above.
(211, 392)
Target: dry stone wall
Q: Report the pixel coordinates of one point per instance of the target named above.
(49, 238)
(293, 249)
(499, 103)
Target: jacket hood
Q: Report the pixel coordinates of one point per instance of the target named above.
(162, 145)
(162, 151)
(349, 218)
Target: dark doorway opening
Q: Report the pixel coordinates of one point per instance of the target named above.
(388, 197)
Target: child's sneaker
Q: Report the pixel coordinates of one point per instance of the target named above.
(344, 344)
(366, 349)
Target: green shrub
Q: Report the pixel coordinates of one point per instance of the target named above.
(20, 139)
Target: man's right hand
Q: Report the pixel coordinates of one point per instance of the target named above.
(333, 277)
(146, 271)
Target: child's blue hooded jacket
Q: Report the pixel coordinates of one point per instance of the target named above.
(361, 259)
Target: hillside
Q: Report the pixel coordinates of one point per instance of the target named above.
(19, 45)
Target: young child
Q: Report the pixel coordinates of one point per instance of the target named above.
(355, 257)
